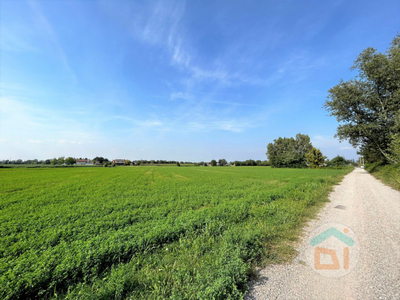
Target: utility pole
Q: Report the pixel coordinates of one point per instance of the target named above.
(361, 161)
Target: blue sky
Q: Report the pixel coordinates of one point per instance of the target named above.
(194, 80)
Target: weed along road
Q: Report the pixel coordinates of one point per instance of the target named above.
(368, 214)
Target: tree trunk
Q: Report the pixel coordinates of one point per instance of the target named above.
(387, 156)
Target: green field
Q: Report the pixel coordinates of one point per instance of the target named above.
(149, 232)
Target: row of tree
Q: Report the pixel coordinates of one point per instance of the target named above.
(251, 162)
(299, 153)
(101, 160)
(224, 162)
(54, 161)
(70, 161)
(339, 160)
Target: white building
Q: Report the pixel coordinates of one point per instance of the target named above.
(81, 162)
(119, 161)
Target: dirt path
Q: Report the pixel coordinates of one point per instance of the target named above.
(372, 211)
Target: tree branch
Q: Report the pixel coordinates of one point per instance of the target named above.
(387, 156)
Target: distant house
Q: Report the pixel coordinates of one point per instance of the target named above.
(119, 161)
(81, 162)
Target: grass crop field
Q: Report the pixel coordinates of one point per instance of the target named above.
(149, 232)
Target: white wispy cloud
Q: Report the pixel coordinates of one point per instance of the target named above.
(236, 126)
(163, 24)
(184, 96)
(45, 28)
(179, 55)
(136, 122)
(32, 131)
(232, 126)
(151, 123)
(11, 41)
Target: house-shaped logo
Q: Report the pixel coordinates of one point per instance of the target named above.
(332, 250)
(319, 250)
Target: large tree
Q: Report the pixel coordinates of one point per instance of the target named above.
(70, 161)
(315, 159)
(289, 152)
(338, 161)
(366, 106)
(222, 162)
(61, 160)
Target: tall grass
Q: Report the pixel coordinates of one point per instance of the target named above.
(389, 174)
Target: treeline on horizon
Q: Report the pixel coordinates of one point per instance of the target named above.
(101, 160)
(337, 161)
(71, 160)
(282, 153)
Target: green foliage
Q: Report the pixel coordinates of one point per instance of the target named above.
(178, 164)
(314, 157)
(289, 152)
(148, 232)
(337, 161)
(395, 147)
(265, 163)
(213, 163)
(395, 140)
(53, 161)
(367, 105)
(101, 160)
(248, 162)
(70, 161)
(61, 160)
(222, 162)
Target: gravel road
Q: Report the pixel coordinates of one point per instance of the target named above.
(372, 211)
